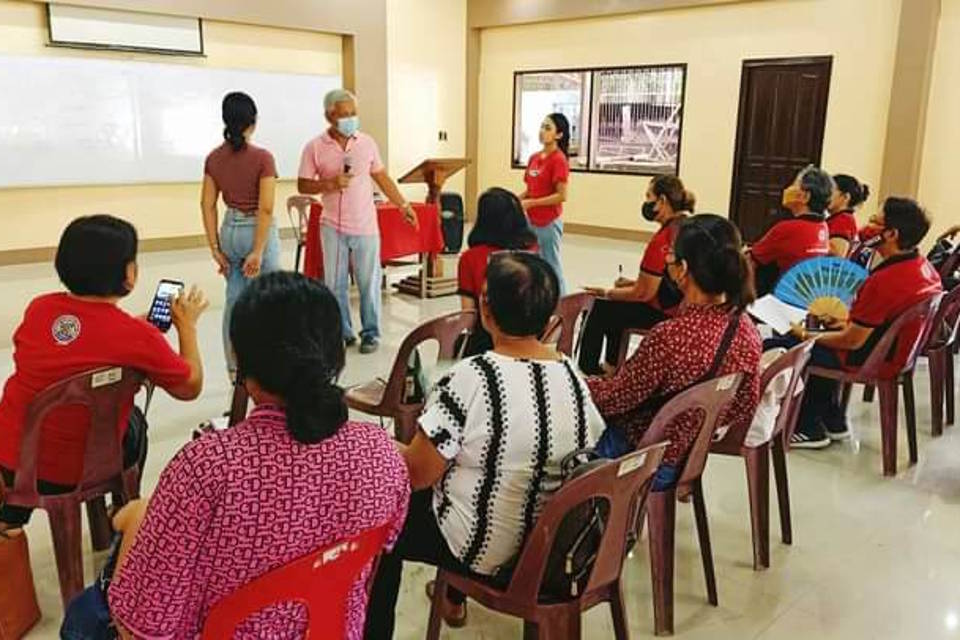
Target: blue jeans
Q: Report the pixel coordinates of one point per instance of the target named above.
(337, 249)
(236, 242)
(613, 444)
(548, 240)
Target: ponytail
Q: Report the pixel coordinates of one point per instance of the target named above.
(857, 191)
(671, 188)
(711, 247)
(562, 126)
(239, 114)
(314, 403)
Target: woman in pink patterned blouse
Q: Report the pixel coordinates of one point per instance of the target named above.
(710, 269)
(293, 477)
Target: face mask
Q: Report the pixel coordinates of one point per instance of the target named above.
(791, 195)
(648, 211)
(348, 126)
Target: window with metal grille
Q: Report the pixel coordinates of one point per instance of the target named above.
(623, 120)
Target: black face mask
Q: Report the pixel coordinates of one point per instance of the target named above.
(648, 211)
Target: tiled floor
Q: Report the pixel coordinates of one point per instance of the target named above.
(872, 557)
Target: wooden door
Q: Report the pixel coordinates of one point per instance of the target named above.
(783, 109)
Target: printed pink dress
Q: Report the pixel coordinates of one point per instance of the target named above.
(233, 505)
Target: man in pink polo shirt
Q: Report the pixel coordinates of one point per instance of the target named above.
(342, 164)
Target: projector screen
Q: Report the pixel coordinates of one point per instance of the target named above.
(107, 28)
(76, 121)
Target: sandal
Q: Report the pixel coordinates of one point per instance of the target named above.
(454, 615)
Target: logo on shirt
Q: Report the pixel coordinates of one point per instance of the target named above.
(534, 173)
(66, 329)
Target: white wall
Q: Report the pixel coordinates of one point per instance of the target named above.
(426, 84)
(860, 35)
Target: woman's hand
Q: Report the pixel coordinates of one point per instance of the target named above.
(798, 331)
(223, 263)
(526, 203)
(187, 309)
(622, 282)
(599, 292)
(252, 263)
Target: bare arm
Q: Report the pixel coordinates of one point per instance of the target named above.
(424, 462)
(268, 186)
(559, 196)
(390, 190)
(644, 289)
(839, 247)
(311, 186)
(186, 311)
(208, 207)
(850, 338)
(467, 303)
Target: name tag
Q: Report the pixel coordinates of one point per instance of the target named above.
(106, 378)
(631, 464)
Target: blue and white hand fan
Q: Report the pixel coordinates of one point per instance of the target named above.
(823, 286)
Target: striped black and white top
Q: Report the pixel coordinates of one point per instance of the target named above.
(504, 424)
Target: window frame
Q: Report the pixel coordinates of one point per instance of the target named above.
(586, 153)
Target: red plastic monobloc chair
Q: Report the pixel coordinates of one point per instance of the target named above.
(623, 484)
(320, 581)
(756, 458)
(385, 398)
(939, 351)
(563, 328)
(872, 373)
(708, 399)
(105, 393)
(300, 204)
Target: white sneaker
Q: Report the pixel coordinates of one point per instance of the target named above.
(802, 441)
(837, 436)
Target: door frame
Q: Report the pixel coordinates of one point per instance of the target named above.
(739, 140)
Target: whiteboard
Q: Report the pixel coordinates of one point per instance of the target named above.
(81, 121)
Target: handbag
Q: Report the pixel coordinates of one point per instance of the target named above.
(19, 610)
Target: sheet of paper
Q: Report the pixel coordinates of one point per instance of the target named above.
(776, 313)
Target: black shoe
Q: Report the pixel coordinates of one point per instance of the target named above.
(839, 432)
(800, 440)
(369, 345)
(349, 342)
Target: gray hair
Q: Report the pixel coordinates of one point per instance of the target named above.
(335, 96)
(819, 184)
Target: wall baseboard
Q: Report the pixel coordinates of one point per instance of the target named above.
(607, 232)
(147, 245)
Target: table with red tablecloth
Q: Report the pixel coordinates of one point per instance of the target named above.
(398, 237)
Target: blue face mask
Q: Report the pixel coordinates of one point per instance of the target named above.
(348, 126)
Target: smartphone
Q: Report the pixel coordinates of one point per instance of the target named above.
(161, 309)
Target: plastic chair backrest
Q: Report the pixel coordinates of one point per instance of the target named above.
(320, 581)
(946, 324)
(623, 484)
(708, 399)
(922, 312)
(951, 264)
(446, 330)
(300, 204)
(570, 309)
(105, 393)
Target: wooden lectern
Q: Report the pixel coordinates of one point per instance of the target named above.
(433, 172)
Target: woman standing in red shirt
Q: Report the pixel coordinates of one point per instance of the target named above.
(848, 196)
(546, 179)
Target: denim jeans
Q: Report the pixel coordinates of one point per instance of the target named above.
(236, 242)
(337, 250)
(548, 240)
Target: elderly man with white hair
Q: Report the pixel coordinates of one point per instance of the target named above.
(342, 164)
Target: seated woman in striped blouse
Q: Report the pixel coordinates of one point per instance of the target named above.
(491, 439)
(710, 269)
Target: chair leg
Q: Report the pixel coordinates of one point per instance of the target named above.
(845, 392)
(868, 390)
(661, 522)
(560, 625)
(621, 630)
(949, 389)
(783, 489)
(936, 359)
(888, 426)
(757, 462)
(100, 530)
(910, 409)
(65, 529)
(436, 615)
(703, 534)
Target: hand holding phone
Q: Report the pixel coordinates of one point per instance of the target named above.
(161, 309)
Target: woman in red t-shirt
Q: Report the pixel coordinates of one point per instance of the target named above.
(66, 333)
(500, 226)
(849, 194)
(640, 303)
(546, 179)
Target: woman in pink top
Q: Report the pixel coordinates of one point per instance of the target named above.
(293, 477)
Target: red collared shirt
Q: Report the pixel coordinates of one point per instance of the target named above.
(793, 240)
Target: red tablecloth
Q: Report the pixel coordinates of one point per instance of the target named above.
(397, 237)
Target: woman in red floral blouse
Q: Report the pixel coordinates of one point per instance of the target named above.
(710, 269)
